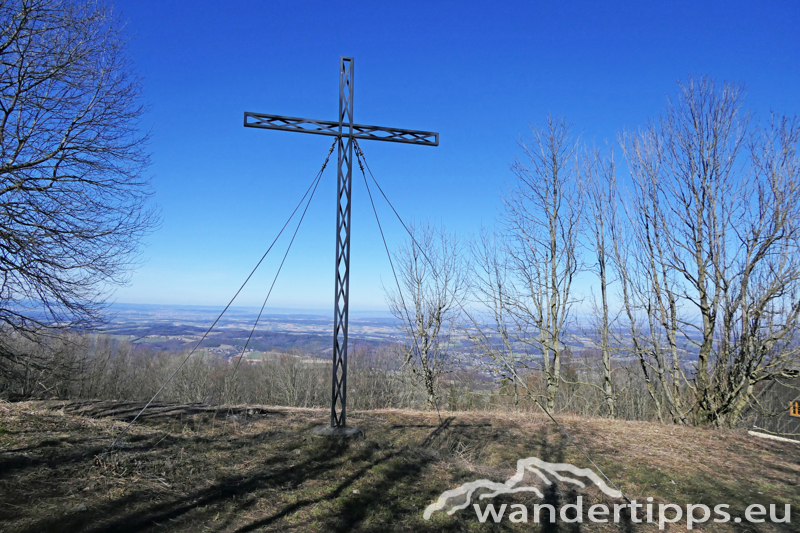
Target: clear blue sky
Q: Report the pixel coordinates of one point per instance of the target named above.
(476, 72)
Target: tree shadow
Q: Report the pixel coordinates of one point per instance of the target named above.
(441, 428)
(295, 481)
(387, 478)
(127, 411)
(280, 476)
(57, 457)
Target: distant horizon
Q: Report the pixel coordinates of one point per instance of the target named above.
(582, 318)
(255, 308)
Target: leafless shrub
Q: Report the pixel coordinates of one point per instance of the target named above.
(427, 303)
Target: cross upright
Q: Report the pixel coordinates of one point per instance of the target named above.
(346, 131)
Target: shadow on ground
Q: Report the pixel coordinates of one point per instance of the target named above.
(200, 468)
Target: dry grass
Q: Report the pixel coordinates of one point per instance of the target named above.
(196, 468)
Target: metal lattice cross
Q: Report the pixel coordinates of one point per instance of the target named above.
(346, 131)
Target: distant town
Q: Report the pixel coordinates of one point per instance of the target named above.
(165, 327)
(306, 334)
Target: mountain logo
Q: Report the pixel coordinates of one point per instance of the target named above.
(459, 498)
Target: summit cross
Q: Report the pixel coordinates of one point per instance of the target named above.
(346, 132)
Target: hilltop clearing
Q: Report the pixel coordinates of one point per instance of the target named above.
(256, 468)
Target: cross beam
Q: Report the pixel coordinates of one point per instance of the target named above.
(329, 127)
(346, 132)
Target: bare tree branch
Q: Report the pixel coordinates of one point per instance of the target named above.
(73, 195)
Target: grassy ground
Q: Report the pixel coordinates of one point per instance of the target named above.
(194, 468)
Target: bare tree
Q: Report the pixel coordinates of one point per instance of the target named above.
(493, 289)
(73, 198)
(542, 220)
(433, 282)
(602, 228)
(716, 216)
